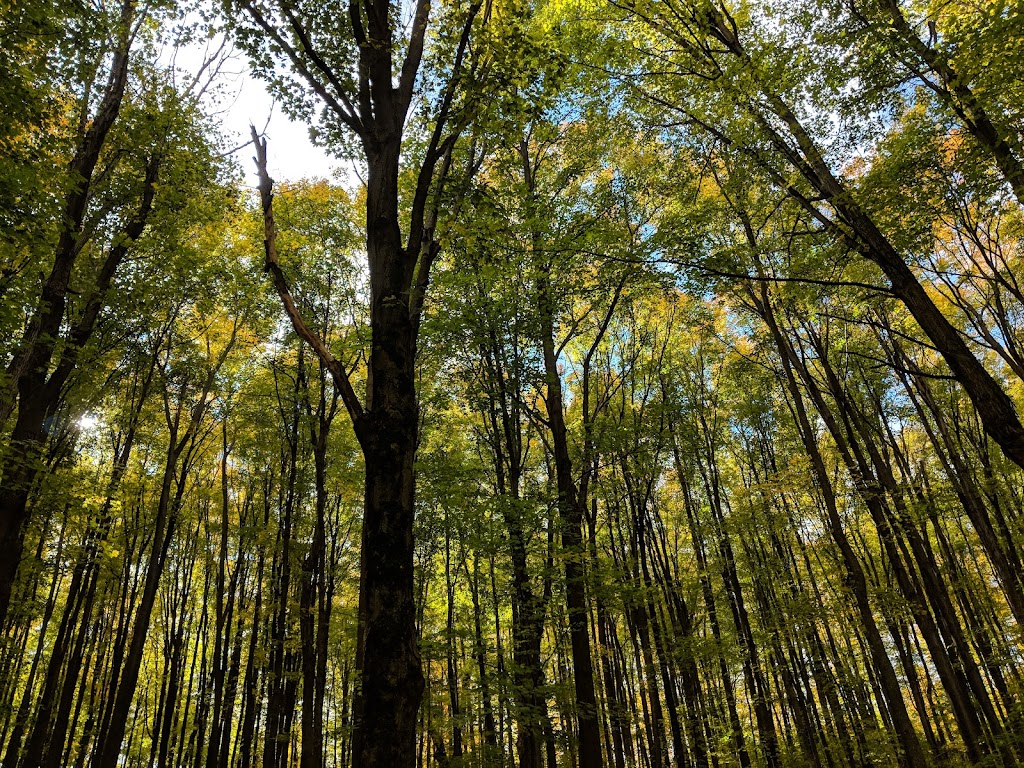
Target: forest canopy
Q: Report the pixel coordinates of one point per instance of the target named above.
(647, 393)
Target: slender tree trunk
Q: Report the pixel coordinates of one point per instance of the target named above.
(571, 525)
(164, 528)
(956, 93)
(222, 609)
(30, 385)
(710, 602)
(873, 495)
(279, 713)
(753, 672)
(995, 408)
(912, 753)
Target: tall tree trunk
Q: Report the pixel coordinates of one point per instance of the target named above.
(955, 92)
(30, 385)
(314, 599)
(873, 495)
(571, 526)
(183, 439)
(279, 711)
(912, 753)
(165, 523)
(503, 416)
(710, 602)
(752, 669)
(855, 226)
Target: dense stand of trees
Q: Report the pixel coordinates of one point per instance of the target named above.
(650, 397)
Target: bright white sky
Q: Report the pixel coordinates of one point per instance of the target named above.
(242, 100)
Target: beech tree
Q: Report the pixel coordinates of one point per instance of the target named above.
(365, 72)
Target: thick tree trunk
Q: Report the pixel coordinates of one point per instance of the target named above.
(389, 677)
(389, 671)
(390, 682)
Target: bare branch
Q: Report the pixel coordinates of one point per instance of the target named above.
(271, 265)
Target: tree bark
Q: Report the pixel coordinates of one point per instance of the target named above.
(911, 752)
(571, 526)
(30, 386)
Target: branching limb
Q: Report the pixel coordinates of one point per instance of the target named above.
(273, 267)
